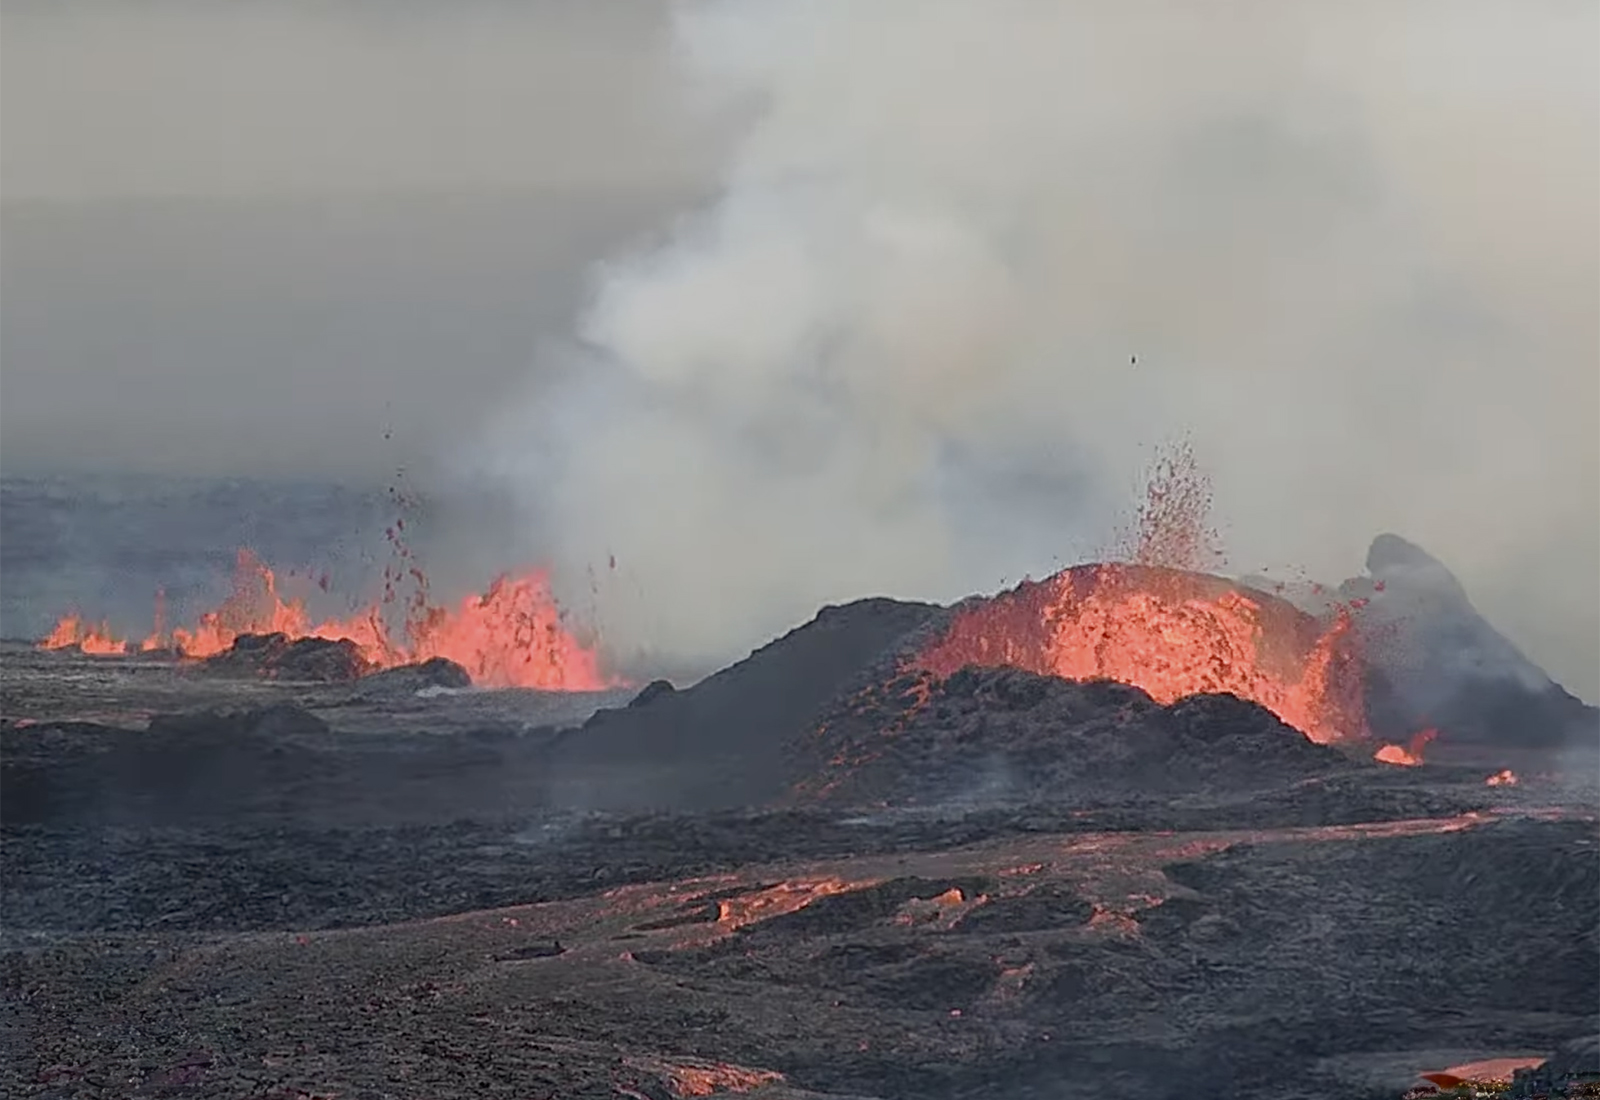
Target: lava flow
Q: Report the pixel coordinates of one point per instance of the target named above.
(510, 636)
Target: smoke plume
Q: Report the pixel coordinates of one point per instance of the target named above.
(970, 262)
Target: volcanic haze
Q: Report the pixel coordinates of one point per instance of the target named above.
(970, 261)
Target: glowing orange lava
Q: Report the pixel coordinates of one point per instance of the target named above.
(709, 1078)
(1158, 621)
(510, 636)
(1173, 521)
(95, 638)
(1505, 777)
(699, 1077)
(1172, 633)
(785, 897)
(1489, 1070)
(1408, 756)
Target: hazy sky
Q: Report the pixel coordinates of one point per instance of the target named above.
(871, 274)
(257, 235)
(200, 99)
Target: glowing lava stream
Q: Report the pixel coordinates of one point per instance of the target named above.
(510, 636)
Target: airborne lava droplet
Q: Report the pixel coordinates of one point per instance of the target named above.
(1172, 528)
(1159, 622)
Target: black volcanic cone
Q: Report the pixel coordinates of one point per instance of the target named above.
(1009, 735)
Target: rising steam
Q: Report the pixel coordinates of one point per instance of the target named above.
(971, 260)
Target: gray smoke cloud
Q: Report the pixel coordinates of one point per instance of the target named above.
(970, 261)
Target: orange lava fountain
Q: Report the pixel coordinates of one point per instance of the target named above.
(1159, 622)
(95, 638)
(1173, 528)
(510, 636)
(1171, 633)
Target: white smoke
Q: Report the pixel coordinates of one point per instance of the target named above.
(971, 258)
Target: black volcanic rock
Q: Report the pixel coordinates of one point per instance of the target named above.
(1013, 736)
(652, 691)
(771, 728)
(1436, 662)
(720, 743)
(435, 672)
(277, 657)
(273, 721)
(195, 763)
(1578, 1058)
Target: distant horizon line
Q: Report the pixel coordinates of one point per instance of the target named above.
(400, 194)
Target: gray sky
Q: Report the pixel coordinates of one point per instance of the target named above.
(1355, 243)
(284, 336)
(252, 237)
(240, 98)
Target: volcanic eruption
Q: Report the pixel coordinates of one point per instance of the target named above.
(1157, 622)
(1172, 633)
(511, 635)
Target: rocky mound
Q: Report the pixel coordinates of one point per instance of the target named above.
(203, 761)
(197, 729)
(1576, 1061)
(277, 657)
(1434, 661)
(274, 764)
(721, 743)
(435, 672)
(829, 708)
(1004, 735)
(1171, 632)
(316, 660)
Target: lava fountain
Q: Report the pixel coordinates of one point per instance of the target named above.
(1159, 622)
(1172, 633)
(92, 638)
(1409, 755)
(512, 635)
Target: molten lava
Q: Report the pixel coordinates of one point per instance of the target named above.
(95, 638)
(1172, 527)
(1172, 633)
(510, 636)
(1505, 777)
(1408, 756)
(701, 1077)
(1158, 621)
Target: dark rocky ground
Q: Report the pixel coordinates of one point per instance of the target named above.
(805, 877)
